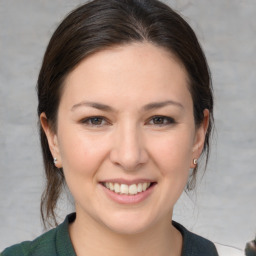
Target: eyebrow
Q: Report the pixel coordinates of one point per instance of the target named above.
(156, 105)
(96, 105)
(103, 107)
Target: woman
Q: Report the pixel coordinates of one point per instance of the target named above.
(125, 110)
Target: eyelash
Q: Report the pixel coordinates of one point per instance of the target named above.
(164, 121)
(89, 120)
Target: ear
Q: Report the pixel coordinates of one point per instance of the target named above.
(52, 140)
(200, 138)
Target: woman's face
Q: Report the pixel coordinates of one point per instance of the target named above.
(126, 136)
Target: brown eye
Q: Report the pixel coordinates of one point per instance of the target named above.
(161, 120)
(94, 121)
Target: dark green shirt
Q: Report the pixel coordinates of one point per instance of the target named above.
(56, 242)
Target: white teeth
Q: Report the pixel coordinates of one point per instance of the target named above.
(144, 186)
(124, 189)
(127, 190)
(117, 188)
(133, 189)
(111, 186)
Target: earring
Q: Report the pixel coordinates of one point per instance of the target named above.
(195, 161)
(55, 160)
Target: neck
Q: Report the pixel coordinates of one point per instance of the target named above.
(90, 238)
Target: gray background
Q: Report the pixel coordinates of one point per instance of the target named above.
(224, 206)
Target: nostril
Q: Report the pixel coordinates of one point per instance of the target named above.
(126, 161)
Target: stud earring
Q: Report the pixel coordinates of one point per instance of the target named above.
(195, 161)
(55, 160)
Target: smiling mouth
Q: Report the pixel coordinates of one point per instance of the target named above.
(124, 189)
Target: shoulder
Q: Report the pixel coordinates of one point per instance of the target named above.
(200, 245)
(53, 242)
(195, 245)
(43, 245)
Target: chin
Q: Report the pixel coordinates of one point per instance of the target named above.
(127, 228)
(128, 224)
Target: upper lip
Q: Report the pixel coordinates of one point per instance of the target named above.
(128, 182)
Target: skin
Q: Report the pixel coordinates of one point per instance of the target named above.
(129, 142)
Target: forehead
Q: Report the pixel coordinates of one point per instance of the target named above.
(140, 71)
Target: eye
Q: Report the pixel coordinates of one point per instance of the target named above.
(161, 120)
(95, 121)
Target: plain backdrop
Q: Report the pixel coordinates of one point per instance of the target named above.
(224, 208)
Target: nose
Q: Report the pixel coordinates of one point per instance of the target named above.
(128, 151)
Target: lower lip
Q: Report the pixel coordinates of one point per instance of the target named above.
(128, 199)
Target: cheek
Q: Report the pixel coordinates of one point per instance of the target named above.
(173, 153)
(171, 156)
(81, 154)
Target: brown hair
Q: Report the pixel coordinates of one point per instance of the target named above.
(100, 24)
